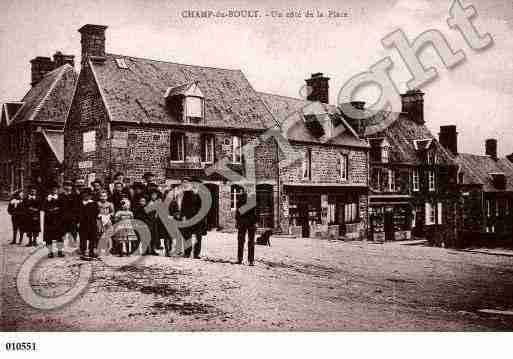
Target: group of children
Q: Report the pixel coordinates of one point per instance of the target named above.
(89, 213)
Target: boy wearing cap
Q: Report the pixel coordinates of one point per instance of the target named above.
(88, 226)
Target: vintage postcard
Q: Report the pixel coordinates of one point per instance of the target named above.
(255, 166)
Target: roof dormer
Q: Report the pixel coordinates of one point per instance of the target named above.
(187, 102)
(499, 180)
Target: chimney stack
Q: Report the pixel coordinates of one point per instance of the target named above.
(40, 66)
(93, 41)
(491, 148)
(448, 137)
(319, 88)
(413, 104)
(60, 59)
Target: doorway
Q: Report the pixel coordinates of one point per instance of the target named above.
(213, 212)
(265, 203)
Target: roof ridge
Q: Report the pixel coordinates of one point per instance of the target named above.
(285, 96)
(171, 62)
(49, 92)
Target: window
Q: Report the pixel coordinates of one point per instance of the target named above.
(343, 167)
(236, 149)
(236, 194)
(385, 154)
(350, 212)
(391, 180)
(488, 208)
(431, 180)
(121, 63)
(306, 164)
(177, 150)
(415, 180)
(332, 213)
(89, 141)
(193, 109)
(207, 152)
(430, 214)
(439, 212)
(431, 157)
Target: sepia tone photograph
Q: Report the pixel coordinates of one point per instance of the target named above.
(256, 166)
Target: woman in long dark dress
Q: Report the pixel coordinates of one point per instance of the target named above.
(54, 228)
(32, 207)
(15, 209)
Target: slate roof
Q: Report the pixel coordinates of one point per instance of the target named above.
(476, 170)
(401, 133)
(55, 140)
(292, 113)
(137, 94)
(9, 110)
(50, 99)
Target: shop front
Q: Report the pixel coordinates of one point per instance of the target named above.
(323, 212)
(390, 220)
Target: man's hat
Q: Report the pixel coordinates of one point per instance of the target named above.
(148, 174)
(67, 183)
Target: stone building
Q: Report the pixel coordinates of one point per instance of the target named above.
(135, 115)
(486, 188)
(412, 177)
(323, 193)
(31, 130)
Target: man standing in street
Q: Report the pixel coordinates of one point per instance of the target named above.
(246, 223)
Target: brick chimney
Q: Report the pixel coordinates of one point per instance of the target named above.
(448, 137)
(319, 88)
(39, 67)
(413, 104)
(93, 41)
(60, 59)
(491, 148)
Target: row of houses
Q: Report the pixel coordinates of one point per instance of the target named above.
(315, 170)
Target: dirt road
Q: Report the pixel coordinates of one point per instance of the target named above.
(297, 284)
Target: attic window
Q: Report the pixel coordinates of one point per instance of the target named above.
(121, 63)
(193, 109)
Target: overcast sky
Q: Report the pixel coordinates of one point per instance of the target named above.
(277, 54)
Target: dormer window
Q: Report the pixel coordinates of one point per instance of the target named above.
(186, 102)
(380, 150)
(385, 151)
(121, 63)
(193, 109)
(431, 158)
(498, 180)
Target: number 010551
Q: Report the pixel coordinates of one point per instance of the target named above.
(20, 346)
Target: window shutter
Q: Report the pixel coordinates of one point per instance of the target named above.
(203, 148)
(184, 147)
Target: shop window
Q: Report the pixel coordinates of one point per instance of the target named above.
(177, 150)
(430, 213)
(350, 212)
